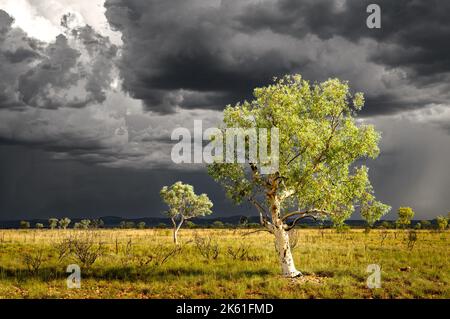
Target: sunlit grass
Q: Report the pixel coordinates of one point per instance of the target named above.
(334, 265)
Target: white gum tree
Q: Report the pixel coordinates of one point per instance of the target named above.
(184, 204)
(319, 144)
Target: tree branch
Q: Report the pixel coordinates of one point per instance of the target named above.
(306, 213)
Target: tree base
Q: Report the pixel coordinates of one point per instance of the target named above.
(294, 274)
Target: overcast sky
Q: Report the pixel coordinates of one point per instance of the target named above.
(90, 91)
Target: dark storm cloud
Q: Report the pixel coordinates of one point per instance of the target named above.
(419, 29)
(58, 74)
(218, 51)
(178, 46)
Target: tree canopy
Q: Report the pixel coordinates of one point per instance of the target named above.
(321, 145)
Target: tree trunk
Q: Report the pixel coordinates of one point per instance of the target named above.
(176, 228)
(284, 253)
(282, 242)
(175, 233)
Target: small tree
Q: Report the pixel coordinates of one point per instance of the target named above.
(405, 214)
(218, 224)
(53, 223)
(64, 223)
(190, 224)
(441, 223)
(85, 223)
(39, 226)
(141, 225)
(97, 223)
(243, 221)
(184, 204)
(24, 224)
(314, 175)
(386, 225)
(425, 224)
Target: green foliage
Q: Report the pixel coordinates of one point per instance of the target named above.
(344, 228)
(85, 223)
(127, 224)
(39, 226)
(184, 203)
(24, 224)
(319, 144)
(218, 224)
(53, 223)
(441, 222)
(386, 225)
(97, 223)
(335, 265)
(405, 214)
(190, 224)
(64, 223)
(141, 225)
(426, 224)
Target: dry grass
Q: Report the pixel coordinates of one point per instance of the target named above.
(334, 265)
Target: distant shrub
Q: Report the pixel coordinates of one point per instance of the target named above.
(243, 221)
(85, 223)
(86, 250)
(24, 224)
(64, 223)
(241, 253)
(161, 226)
(158, 256)
(53, 223)
(342, 228)
(412, 238)
(386, 225)
(33, 260)
(426, 224)
(405, 214)
(207, 247)
(418, 226)
(141, 225)
(218, 224)
(441, 223)
(39, 226)
(190, 224)
(127, 224)
(97, 223)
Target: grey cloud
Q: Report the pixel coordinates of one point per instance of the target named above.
(73, 71)
(220, 51)
(190, 46)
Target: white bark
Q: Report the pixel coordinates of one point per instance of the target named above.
(284, 253)
(282, 241)
(176, 228)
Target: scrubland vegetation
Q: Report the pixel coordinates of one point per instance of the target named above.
(222, 263)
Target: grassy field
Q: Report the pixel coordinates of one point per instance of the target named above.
(222, 263)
